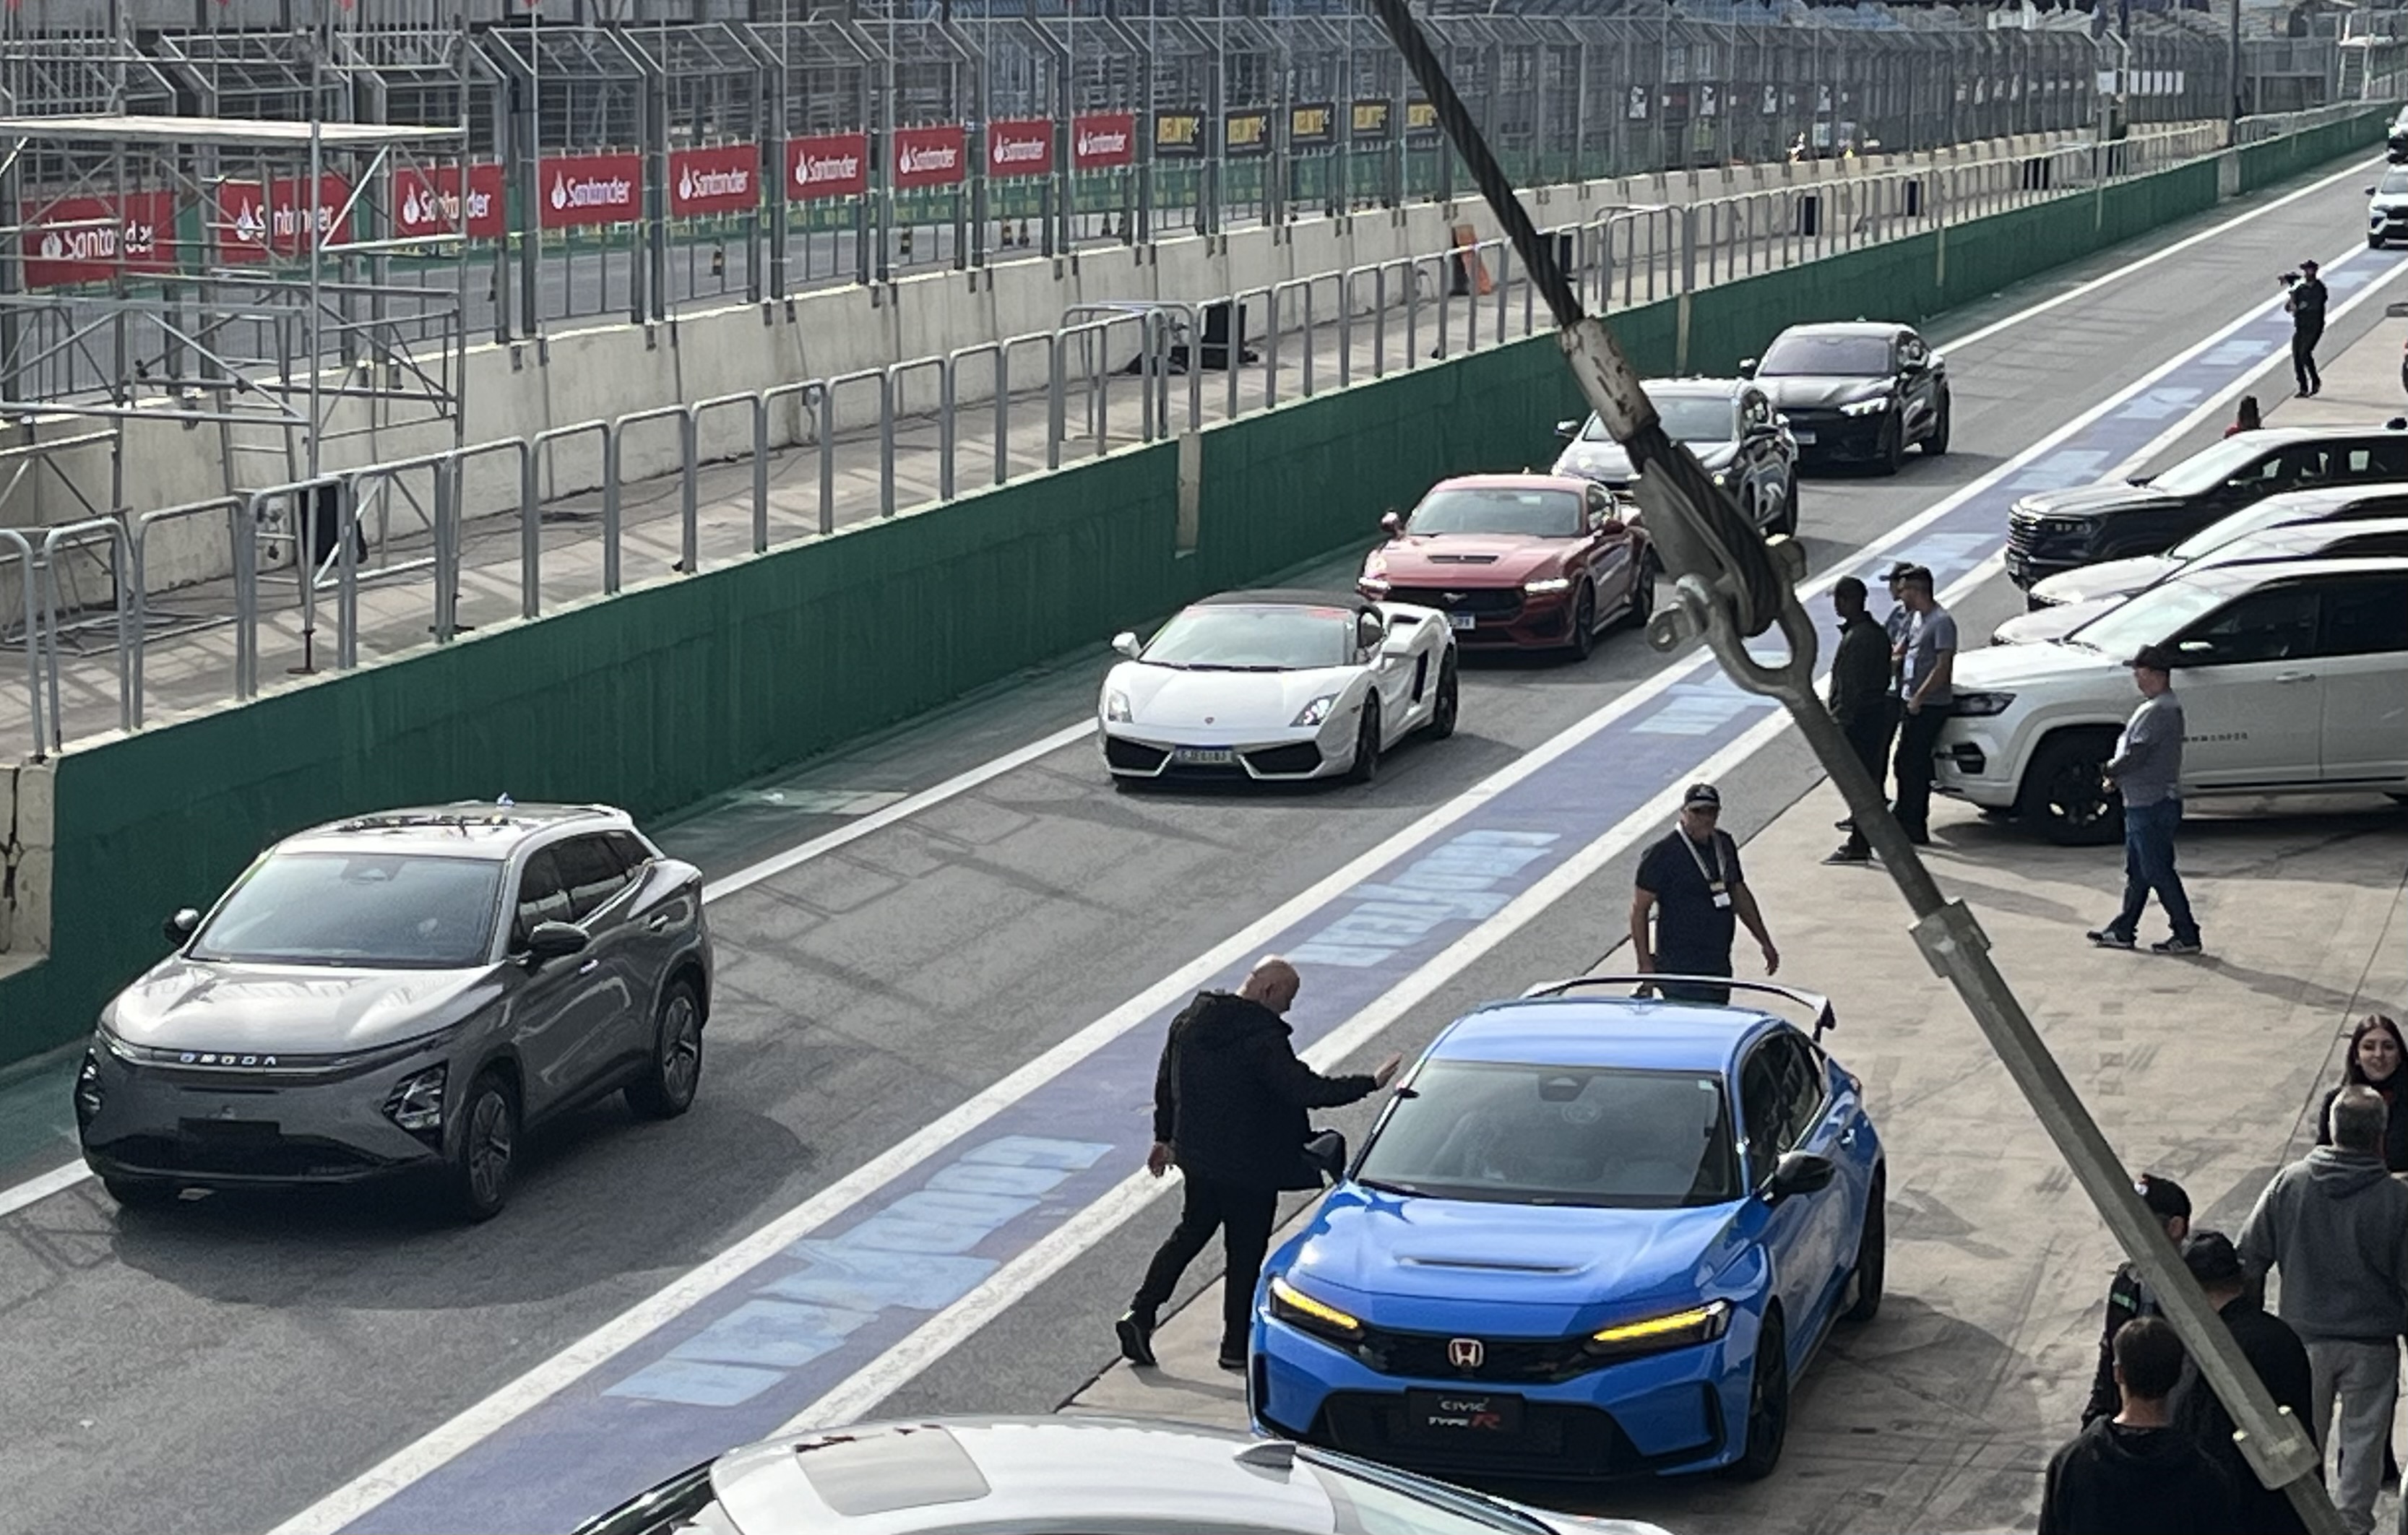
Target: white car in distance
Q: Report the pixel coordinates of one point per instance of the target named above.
(2293, 679)
(1277, 685)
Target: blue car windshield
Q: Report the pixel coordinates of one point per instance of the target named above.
(367, 910)
(1607, 1137)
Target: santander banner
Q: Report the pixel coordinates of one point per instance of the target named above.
(580, 191)
(251, 223)
(1103, 140)
(1020, 146)
(931, 157)
(829, 165)
(429, 203)
(723, 178)
(90, 240)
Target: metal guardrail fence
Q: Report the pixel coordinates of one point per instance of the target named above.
(1199, 118)
(1456, 300)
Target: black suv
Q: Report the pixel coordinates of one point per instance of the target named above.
(1729, 423)
(1862, 390)
(2054, 531)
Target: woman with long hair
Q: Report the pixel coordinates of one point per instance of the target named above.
(2378, 1059)
(2250, 421)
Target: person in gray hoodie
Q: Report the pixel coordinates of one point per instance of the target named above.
(2335, 1224)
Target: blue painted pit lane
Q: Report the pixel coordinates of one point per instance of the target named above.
(763, 1348)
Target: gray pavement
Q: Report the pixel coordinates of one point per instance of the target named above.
(267, 1351)
(187, 661)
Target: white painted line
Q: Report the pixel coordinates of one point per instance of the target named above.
(42, 1186)
(482, 1419)
(859, 1394)
(2120, 273)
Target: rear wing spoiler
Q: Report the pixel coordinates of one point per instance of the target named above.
(1814, 1002)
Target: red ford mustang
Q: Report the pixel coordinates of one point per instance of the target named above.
(1518, 561)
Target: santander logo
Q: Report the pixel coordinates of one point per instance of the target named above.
(1096, 143)
(813, 170)
(734, 182)
(1005, 150)
(924, 159)
(424, 206)
(592, 192)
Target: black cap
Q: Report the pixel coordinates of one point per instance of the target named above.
(2211, 1259)
(2307, 266)
(1899, 571)
(2155, 657)
(2163, 1196)
(1703, 794)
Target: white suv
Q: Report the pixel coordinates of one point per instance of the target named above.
(2294, 677)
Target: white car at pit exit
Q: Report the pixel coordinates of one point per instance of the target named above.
(1277, 685)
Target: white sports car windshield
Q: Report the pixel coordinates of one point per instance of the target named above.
(1551, 1134)
(1246, 637)
(378, 911)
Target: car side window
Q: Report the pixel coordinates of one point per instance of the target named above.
(592, 872)
(2385, 458)
(2301, 464)
(541, 898)
(1760, 1105)
(630, 849)
(2273, 624)
(2364, 617)
(1803, 1085)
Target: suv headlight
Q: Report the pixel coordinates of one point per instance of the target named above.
(416, 1102)
(1116, 706)
(1873, 407)
(2061, 527)
(1318, 1317)
(1317, 711)
(1547, 583)
(1983, 705)
(1655, 1334)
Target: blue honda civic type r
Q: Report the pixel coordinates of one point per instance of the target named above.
(1592, 1235)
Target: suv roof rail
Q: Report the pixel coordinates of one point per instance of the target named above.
(1815, 1002)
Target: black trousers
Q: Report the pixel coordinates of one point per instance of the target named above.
(1243, 1216)
(2303, 355)
(1870, 733)
(1917, 734)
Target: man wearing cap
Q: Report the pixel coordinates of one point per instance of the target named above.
(1860, 699)
(2146, 769)
(1927, 696)
(2276, 1355)
(2335, 1224)
(1692, 882)
(2306, 307)
(2127, 1296)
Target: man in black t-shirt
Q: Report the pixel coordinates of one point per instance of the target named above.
(2306, 307)
(1691, 882)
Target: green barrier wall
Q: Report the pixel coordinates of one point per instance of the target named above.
(2280, 159)
(667, 694)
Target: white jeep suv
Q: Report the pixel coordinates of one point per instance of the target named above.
(2294, 677)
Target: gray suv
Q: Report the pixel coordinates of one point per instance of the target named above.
(403, 993)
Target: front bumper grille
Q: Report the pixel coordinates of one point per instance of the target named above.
(1559, 1441)
(1300, 757)
(242, 1154)
(1525, 1361)
(1132, 756)
(1485, 601)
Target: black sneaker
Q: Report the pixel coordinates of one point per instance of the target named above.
(2174, 946)
(1846, 854)
(2107, 937)
(1137, 1340)
(1234, 1363)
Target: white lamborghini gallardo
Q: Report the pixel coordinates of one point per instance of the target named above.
(1277, 685)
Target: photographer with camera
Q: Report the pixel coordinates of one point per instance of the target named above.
(2306, 307)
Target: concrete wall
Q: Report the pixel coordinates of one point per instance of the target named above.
(607, 371)
(685, 686)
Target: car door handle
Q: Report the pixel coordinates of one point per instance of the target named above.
(1848, 1136)
(659, 923)
(589, 966)
(2295, 677)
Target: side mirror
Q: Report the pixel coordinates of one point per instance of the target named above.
(1392, 524)
(1369, 632)
(1801, 1172)
(1567, 430)
(1126, 643)
(555, 941)
(180, 928)
(2370, 192)
(1781, 420)
(1747, 366)
(1612, 525)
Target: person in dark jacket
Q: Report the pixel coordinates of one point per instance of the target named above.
(1859, 697)
(2377, 1054)
(2280, 1360)
(1229, 1102)
(2136, 1474)
(2306, 307)
(2127, 1298)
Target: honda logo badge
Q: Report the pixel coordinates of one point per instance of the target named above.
(1465, 1353)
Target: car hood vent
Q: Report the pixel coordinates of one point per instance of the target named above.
(1462, 559)
(1493, 1265)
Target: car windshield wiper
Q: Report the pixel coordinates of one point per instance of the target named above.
(1381, 1185)
(1230, 665)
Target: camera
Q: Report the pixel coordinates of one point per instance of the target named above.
(2287, 278)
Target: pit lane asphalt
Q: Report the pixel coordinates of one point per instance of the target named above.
(216, 1366)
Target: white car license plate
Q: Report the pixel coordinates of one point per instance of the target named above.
(1804, 439)
(1461, 620)
(1204, 756)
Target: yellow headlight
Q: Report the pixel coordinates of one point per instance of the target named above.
(1706, 1321)
(1287, 1295)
